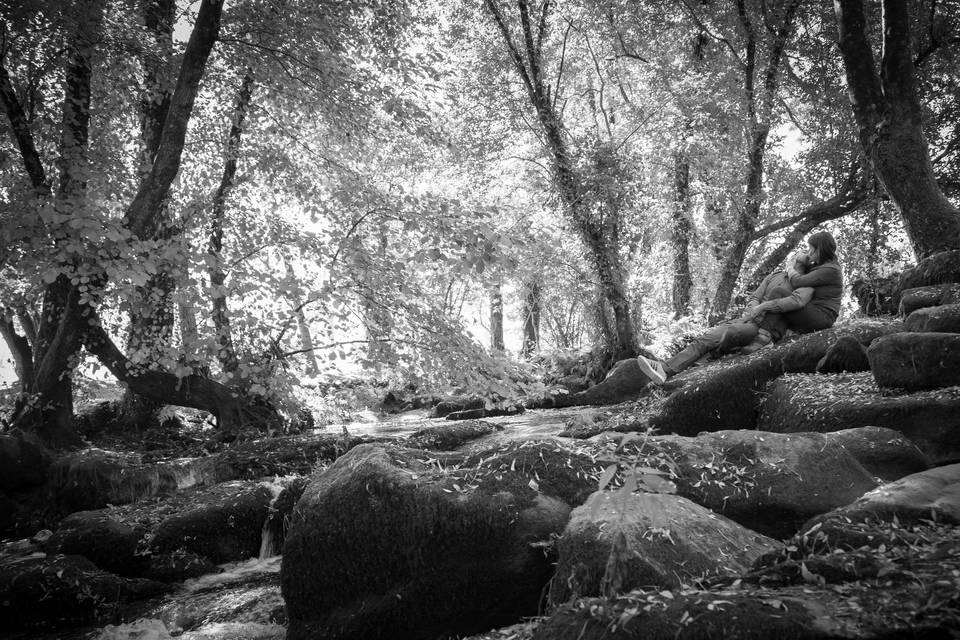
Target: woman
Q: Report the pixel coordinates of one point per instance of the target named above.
(816, 282)
(826, 278)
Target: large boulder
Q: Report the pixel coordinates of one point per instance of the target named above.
(939, 319)
(916, 361)
(939, 268)
(883, 452)
(223, 523)
(768, 482)
(727, 394)
(22, 463)
(92, 478)
(929, 296)
(826, 403)
(110, 544)
(621, 540)
(395, 543)
(448, 437)
(58, 591)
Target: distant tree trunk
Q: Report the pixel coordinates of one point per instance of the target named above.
(306, 341)
(890, 120)
(226, 353)
(531, 320)
(601, 236)
(680, 234)
(20, 349)
(496, 319)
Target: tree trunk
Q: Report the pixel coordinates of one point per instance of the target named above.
(306, 341)
(531, 320)
(496, 319)
(680, 233)
(19, 347)
(889, 118)
(226, 352)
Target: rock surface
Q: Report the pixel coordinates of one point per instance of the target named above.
(110, 544)
(22, 463)
(939, 319)
(451, 436)
(938, 268)
(929, 296)
(916, 361)
(621, 540)
(376, 538)
(846, 354)
(826, 403)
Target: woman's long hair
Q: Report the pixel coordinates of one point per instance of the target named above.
(824, 243)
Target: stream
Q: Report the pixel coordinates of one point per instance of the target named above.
(243, 601)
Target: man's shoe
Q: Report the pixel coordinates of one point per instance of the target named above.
(653, 369)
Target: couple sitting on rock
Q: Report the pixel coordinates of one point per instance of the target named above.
(803, 298)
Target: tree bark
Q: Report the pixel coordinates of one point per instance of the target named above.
(890, 122)
(306, 341)
(226, 353)
(496, 319)
(19, 347)
(531, 320)
(680, 234)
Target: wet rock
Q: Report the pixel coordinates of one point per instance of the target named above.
(916, 361)
(727, 394)
(929, 296)
(442, 409)
(95, 535)
(826, 403)
(380, 534)
(177, 566)
(93, 478)
(22, 463)
(278, 517)
(58, 591)
(619, 540)
(224, 523)
(450, 437)
(846, 354)
(939, 319)
(939, 268)
(492, 412)
(768, 482)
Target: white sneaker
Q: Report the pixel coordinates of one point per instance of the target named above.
(653, 369)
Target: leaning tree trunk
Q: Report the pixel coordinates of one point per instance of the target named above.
(890, 121)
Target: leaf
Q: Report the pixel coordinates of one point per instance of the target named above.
(607, 476)
(533, 485)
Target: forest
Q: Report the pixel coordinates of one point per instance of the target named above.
(278, 235)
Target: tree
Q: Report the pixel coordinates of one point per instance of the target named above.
(889, 116)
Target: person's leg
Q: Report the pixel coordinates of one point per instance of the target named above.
(723, 337)
(809, 319)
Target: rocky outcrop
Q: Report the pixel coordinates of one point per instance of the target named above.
(621, 540)
(939, 268)
(377, 537)
(727, 394)
(768, 482)
(826, 403)
(57, 591)
(110, 544)
(930, 296)
(916, 361)
(939, 319)
(223, 523)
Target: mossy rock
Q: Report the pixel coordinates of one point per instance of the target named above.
(916, 361)
(824, 403)
(23, 463)
(620, 540)
(939, 268)
(451, 405)
(768, 482)
(939, 319)
(846, 354)
(224, 523)
(391, 542)
(110, 544)
(883, 452)
(448, 437)
(929, 296)
(728, 393)
(288, 455)
(60, 591)
(93, 478)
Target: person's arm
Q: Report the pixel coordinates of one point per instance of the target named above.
(816, 278)
(796, 300)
